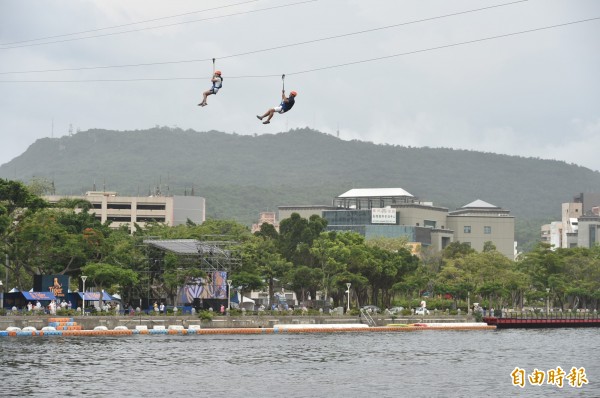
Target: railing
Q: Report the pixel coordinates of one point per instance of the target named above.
(552, 315)
(368, 317)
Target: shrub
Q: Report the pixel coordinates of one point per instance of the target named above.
(206, 315)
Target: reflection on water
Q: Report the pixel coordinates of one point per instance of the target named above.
(412, 364)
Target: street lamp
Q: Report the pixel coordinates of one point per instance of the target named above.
(348, 291)
(83, 278)
(547, 301)
(468, 303)
(229, 296)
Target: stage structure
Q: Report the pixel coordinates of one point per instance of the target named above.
(215, 257)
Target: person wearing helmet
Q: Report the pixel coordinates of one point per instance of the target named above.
(286, 104)
(217, 83)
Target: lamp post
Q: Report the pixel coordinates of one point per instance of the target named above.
(547, 301)
(229, 296)
(83, 278)
(468, 303)
(348, 291)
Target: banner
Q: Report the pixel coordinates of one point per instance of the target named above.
(383, 215)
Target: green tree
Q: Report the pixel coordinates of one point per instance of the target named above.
(304, 279)
(40, 186)
(457, 249)
(296, 235)
(108, 277)
(262, 256)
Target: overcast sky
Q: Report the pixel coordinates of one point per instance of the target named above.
(533, 94)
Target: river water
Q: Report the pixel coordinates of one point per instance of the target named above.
(400, 364)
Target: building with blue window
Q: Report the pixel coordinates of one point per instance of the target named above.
(394, 212)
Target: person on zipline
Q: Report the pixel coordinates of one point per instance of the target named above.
(286, 104)
(217, 83)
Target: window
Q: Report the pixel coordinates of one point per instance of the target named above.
(150, 206)
(429, 223)
(487, 230)
(151, 219)
(118, 206)
(119, 218)
(467, 229)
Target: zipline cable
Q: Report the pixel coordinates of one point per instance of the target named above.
(324, 67)
(128, 24)
(159, 26)
(270, 48)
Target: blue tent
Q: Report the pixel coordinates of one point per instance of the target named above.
(95, 296)
(39, 296)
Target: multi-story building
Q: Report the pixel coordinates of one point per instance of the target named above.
(588, 234)
(553, 233)
(480, 222)
(580, 225)
(130, 210)
(266, 217)
(393, 212)
(570, 215)
(303, 211)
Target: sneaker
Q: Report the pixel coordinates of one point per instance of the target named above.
(259, 117)
(266, 122)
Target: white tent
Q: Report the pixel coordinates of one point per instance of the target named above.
(246, 303)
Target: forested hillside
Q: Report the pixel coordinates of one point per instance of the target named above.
(243, 175)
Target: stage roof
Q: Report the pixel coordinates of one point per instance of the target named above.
(179, 246)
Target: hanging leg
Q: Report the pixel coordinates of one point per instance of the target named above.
(204, 94)
(270, 116)
(268, 113)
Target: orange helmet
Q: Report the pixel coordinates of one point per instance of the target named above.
(218, 72)
(293, 93)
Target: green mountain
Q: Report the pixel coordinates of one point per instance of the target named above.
(242, 175)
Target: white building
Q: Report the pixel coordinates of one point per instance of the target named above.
(131, 210)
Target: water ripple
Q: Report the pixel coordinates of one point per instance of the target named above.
(419, 364)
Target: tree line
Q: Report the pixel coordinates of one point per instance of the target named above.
(66, 238)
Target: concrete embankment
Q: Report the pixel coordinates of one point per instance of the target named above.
(221, 322)
(126, 326)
